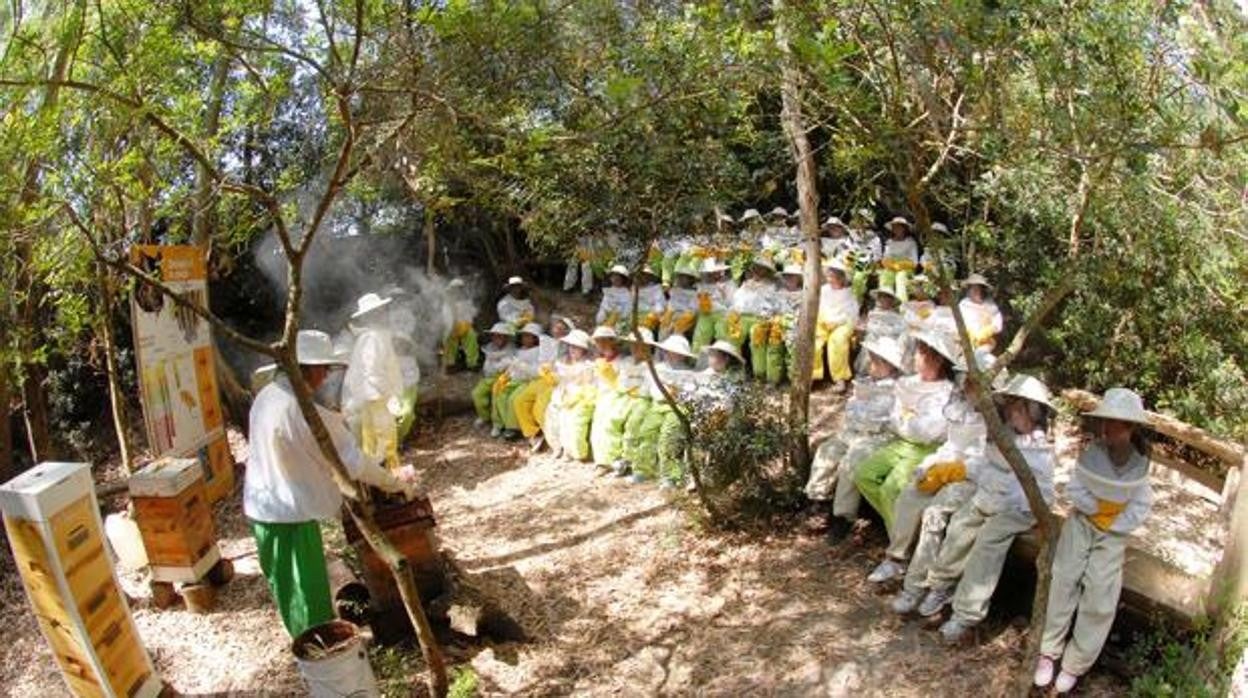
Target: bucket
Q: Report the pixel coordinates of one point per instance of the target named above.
(334, 661)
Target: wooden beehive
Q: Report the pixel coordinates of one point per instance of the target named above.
(175, 520)
(53, 523)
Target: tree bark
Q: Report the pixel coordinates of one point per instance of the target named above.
(7, 466)
(116, 396)
(431, 241)
(808, 207)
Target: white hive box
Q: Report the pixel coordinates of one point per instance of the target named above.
(53, 524)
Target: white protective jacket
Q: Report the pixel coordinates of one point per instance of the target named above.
(615, 301)
(837, 306)
(515, 311)
(918, 415)
(754, 298)
(720, 294)
(966, 440)
(998, 487)
(905, 249)
(980, 317)
(682, 300)
(373, 373)
(1096, 477)
(868, 410)
(527, 362)
(650, 299)
(496, 360)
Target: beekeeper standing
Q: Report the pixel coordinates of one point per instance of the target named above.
(403, 325)
(372, 389)
(288, 488)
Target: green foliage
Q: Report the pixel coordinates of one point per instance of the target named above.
(1199, 665)
(742, 454)
(463, 682)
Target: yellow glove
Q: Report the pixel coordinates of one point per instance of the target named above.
(666, 319)
(776, 336)
(887, 264)
(524, 320)
(698, 251)
(461, 329)
(799, 256)
(612, 318)
(583, 254)
(547, 376)
(683, 322)
(924, 312)
(1106, 512)
(500, 383)
(983, 335)
(904, 265)
(608, 372)
(704, 302)
(941, 474)
(734, 327)
(759, 332)
(651, 320)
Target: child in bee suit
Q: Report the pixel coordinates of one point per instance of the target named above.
(581, 265)
(498, 356)
(536, 351)
(936, 492)
(571, 373)
(782, 330)
(864, 430)
(901, 257)
(1111, 496)
(458, 313)
(682, 302)
(980, 312)
(715, 292)
(611, 368)
(515, 308)
(834, 332)
(372, 388)
(403, 325)
(752, 304)
(741, 252)
(883, 320)
(938, 259)
(617, 402)
(651, 301)
(979, 535)
(616, 307)
(580, 402)
(651, 438)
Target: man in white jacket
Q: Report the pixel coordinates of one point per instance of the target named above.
(372, 389)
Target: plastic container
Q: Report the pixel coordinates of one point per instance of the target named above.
(123, 535)
(334, 661)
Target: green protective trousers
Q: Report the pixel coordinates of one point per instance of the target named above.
(292, 559)
(881, 477)
(576, 416)
(779, 353)
(660, 453)
(633, 441)
(455, 342)
(859, 283)
(606, 434)
(899, 281)
(1087, 579)
(503, 410)
(481, 397)
(407, 412)
(708, 328)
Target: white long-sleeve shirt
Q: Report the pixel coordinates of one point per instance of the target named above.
(512, 310)
(496, 360)
(617, 300)
(868, 410)
(906, 249)
(998, 489)
(918, 414)
(720, 293)
(682, 300)
(373, 371)
(1096, 477)
(967, 437)
(979, 316)
(837, 306)
(650, 299)
(288, 478)
(754, 297)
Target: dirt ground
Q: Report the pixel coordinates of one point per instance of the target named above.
(619, 589)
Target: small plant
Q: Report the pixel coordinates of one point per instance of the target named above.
(1167, 664)
(463, 682)
(740, 445)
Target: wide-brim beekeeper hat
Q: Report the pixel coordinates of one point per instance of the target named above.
(315, 348)
(369, 303)
(1123, 405)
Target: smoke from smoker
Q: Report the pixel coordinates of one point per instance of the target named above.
(358, 252)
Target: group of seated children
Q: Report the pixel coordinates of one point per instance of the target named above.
(914, 447)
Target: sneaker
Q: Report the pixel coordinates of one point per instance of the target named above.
(479, 423)
(638, 478)
(496, 431)
(536, 443)
(1065, 682)
(935, 601)
(907, 601)
(954, 631)
(839, 387)
(887, 571)
(511, 435)
(621, 467)
(1044, 672)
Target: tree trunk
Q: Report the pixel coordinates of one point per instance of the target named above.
(35, 409)
(116, 396)
(7, 466)
(1228, 589)
(431, 242)
(808, 206)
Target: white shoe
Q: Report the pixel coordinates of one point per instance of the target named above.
(496, 431)
(479, 423)
(1065, 682)
(935, 601)
(954, 631)
(536, 443)
(1044, 672)
(908, 600)
(887, 571)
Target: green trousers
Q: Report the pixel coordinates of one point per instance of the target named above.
(882, 476)
(292, 558)
(658, 451)
(481, 396)
(503, 409)
(859, 284)
(467, 343)
(708, 328)
(606, 435)
(899, 281)
(574, 432)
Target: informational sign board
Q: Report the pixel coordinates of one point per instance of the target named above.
(176, 368)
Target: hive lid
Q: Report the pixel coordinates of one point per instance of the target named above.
(45, 489)
(165, 477)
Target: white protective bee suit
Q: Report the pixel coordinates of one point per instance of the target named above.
(372, 392)
(866, 427)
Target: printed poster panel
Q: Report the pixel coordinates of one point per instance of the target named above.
(177, 375)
